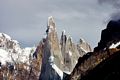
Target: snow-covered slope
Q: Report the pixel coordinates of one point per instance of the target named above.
(115, 45)
(8, 44)
(4, 57)
(10, 50)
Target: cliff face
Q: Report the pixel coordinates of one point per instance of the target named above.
(51, 53)
(83, 47)
(59, 57)
(69, 52)
(109, 36)
(103, 63)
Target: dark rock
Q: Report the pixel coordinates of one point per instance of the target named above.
(106, 70)
(103, 63)
(109, 35)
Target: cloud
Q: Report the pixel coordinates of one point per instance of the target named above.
(26, 20)
(115, 15)
(115, 5)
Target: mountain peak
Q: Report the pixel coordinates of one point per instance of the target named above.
(5, 36)
(11, 48)
(51, 22)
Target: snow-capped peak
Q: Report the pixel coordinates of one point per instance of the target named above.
(5, 35)
(11, 51)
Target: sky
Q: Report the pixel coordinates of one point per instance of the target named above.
(26, 20)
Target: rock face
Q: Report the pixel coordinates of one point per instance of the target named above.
(106, 70)
(37, 58)
(102, 64)
(110, 35)
(59, 58)
(69, 52)
(83, 47)
(51, 54)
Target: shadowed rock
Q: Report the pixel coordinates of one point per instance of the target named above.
(103, 63)
(109, 35)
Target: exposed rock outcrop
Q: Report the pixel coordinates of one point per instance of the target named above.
(69, 52)
(37, 61)
(88, 66)
(109, 36)
(106, 70)
(52, 54)
(59, 58)
(83, 47)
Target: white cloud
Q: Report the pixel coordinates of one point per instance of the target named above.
(26, 20)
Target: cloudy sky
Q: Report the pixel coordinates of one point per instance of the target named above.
(26, 20)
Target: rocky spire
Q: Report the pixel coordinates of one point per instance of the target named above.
(53, 42)
(58, 57)
(69, 52)
(83, 47)
(51, 22)
(52, 54)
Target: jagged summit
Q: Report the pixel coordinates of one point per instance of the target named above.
(51, 27)
(7, 43)
(5, 36)
(58, 56)
(52, 57)
(51, 22)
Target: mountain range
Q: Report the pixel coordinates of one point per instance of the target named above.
(62, 59)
